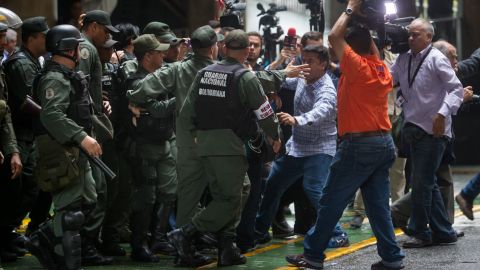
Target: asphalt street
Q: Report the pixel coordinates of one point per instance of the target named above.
(464, 255)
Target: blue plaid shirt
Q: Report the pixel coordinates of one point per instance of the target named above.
(315, 109)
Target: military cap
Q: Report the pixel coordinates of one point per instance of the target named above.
(100, 17)
(237, 40)
(156, 28)
(204, 37)
(35, 25)
(148, 42)
(163, 32)
(109, 43)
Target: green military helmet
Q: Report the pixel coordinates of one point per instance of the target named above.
(9, 18)
(62, 37)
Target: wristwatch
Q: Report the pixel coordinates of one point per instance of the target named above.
(349, 11)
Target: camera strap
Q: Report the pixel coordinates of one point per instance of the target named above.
(410, 81)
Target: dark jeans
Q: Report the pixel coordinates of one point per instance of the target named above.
(472, 189)
(285, 171)
(426, 154)
(359, 163)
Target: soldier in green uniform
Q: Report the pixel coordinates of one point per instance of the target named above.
(165, 35)
(96, 31)
(155, 178)
(118, 189)
(20, 70)
(10, 163)
(176, 79)
(219, 109)
(64, 124)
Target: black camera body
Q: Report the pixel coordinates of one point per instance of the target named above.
(233, 15)
(390, 30)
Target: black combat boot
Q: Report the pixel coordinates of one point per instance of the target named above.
(91, 256)
(159, 242)
(41, 244)
(229, 253)
(140, 221)
(181, 239)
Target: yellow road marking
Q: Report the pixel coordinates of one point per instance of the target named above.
(339, 252)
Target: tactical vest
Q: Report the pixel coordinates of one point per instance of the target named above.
(80, 108)
(218, 104)
(108, 79)
(22, 121)
(151, 129)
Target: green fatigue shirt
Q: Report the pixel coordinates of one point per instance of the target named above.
(177, 78)
(8, 141)
(20, 74)
(174, 79)
(54, 91)
(91, 66)
(217, 142)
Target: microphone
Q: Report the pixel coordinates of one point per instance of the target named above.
(290, 40)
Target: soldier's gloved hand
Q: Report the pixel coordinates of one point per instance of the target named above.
(91, 146)
(16, 165)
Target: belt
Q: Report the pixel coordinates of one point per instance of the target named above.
(372, 133)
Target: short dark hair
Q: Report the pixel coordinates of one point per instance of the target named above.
(127, 33)
(312, 35)
(256, 34)
(359, 39)
(26, 35)
(321, 51)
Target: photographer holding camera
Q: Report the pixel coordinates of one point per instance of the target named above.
(366, 151)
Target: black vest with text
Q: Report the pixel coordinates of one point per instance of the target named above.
(218, 104)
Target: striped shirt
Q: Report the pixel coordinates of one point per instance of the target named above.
(315, 109)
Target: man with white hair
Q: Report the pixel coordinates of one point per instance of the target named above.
(11, 44)
(431, 94)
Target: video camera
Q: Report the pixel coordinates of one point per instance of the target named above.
(317, 14)
(271, 30)
(381, 17)
(233, 15)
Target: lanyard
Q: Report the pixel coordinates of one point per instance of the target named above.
(410, 81)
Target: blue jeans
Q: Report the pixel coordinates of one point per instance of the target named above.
(426, 153)
(285, 171)
(246, 227)
(472, 189)
(359, 163)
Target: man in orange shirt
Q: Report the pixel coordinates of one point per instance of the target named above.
(366, 151)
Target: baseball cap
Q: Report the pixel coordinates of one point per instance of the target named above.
(35, 25)
(100, 17)
(109, 43)
(204, 37)
(237, 40)
(148, 42)
(163, 32)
